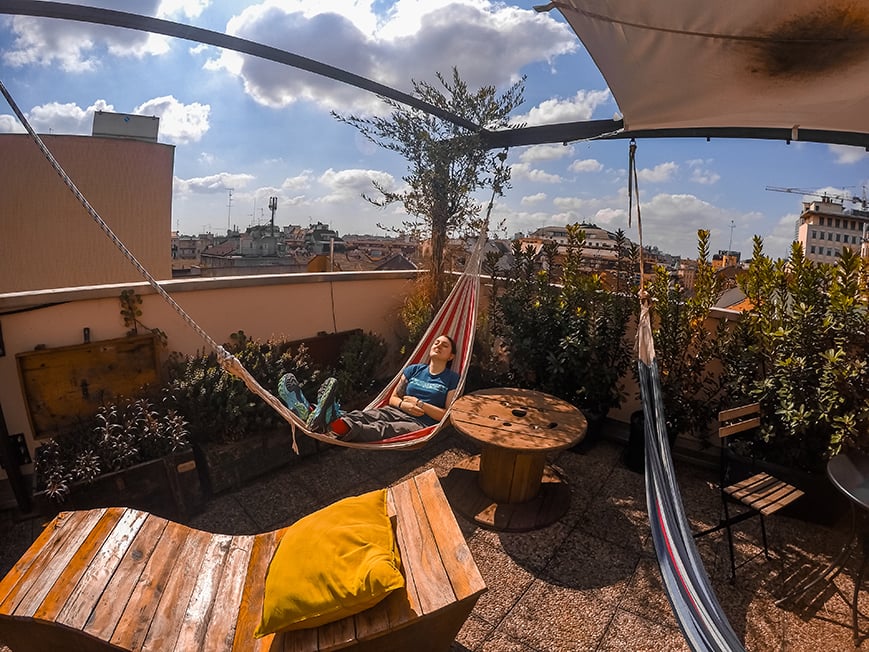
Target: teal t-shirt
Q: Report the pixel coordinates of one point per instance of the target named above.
(428, 388)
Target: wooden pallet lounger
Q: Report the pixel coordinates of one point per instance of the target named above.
(122, 579)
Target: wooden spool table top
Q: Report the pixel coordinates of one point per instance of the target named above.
(508, 486)
(521, 420)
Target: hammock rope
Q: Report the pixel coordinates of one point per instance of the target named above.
(456, 317)
(686, 583)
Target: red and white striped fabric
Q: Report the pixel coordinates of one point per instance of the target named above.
(457, 318)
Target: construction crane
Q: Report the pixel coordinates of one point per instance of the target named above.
(864, 203)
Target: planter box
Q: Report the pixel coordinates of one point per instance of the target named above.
(224, 467)
(168, 487)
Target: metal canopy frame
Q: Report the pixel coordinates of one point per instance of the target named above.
(514, 137)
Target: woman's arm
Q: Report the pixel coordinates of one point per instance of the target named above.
(397, 396)
(432, 411)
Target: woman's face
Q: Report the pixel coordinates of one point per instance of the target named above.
(441, 349)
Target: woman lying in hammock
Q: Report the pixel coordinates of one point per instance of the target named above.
(418, 401)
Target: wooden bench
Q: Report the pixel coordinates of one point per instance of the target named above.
(123, 579)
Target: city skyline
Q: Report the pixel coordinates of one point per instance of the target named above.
(248, 129)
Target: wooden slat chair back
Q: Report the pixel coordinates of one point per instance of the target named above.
(122, 579)
(761, 494)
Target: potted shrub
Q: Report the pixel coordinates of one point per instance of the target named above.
(801, 350)
(131, 454)
(360, 373)
(686, 348)
(568, 339)
(237, 436)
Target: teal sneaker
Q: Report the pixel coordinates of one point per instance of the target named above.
(291, 395)
(325, 411)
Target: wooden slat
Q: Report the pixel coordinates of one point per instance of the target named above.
(251, 608)
(372, 622)
(789, 495)
(135, 621)
(737, 412)
(221, 626)
(764, 493)
(167, 620)
(75, 564)
(209, 574)
(420, 551)
(402, 605)
(460, 566)
(741, 426)
(108, 612)
(302, 640)
(65, 532)
(90, 587)
(341, 633)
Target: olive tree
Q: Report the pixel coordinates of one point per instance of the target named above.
(447, 163)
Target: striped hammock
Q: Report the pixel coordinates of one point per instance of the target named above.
(457, 317)
(701, 618)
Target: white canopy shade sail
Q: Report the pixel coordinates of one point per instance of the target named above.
(676, 64)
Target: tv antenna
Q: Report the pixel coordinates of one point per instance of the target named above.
(228, 211)
(273, 206)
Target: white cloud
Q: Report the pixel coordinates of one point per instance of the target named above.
(77, 47)
(298, 182)
(9, 124)
(490, 41)
(581, 206)
(520, 171)
(580, 107)
(533, 199)
(65, 118)
(846, 155)
(179, 123)
(184, 8)
(705, 177)
(701, 172)
(776, 243)
(211, 184)
(342, 185)
(659, 173)
(586, 165)
(537, 153)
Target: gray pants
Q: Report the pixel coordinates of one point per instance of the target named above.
(379, 423)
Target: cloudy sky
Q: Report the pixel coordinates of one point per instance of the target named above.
(246, 129)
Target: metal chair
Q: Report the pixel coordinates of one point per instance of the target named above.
(761, 494)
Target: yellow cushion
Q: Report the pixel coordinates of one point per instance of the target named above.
(332, 564)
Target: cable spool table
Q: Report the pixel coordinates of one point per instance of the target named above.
(509, 486)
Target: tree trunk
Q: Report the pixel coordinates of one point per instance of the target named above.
(439, 220)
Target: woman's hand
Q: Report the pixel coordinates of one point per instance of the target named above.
(413, 406)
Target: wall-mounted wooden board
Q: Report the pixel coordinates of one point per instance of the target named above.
(66, 384)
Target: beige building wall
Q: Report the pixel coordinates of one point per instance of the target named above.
(48, 240)
(825, 228)
(286, 307)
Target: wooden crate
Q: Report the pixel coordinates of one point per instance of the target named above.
(67, 384)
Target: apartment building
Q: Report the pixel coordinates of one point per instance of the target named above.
(826, 227)
(128, 181)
